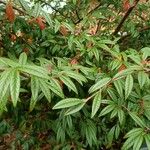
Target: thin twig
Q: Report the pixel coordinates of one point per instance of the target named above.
(88, 13)
(125, 17)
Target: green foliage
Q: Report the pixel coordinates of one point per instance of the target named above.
(76, 77)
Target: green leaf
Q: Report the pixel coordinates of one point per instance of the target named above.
(9, 62)
(68, 83)
(55, 87)
(121, 116)
(99, 84)
(117, 131)
(15, 86)
(75, 75)
(45, 89)
(23, 59)
(34, 87)
(119, 87)
(75, 109)
(96, 104)
(142, 77)
(128, 144)
(25, 6)
(134, 132)
(47, 18)
(4, 82)
(35, 70)
(126, 72)
(57, 25)
(138, 142)
(37, 9)
(68, 102)
(146, 52)
(137, 119)
(107, 109)
(128, 85)
(147, 139)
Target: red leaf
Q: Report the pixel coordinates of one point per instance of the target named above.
(126, 5)
(121, 68)
(10, 12)
(41, 22)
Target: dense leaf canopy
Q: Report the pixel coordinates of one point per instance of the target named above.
(74, 74)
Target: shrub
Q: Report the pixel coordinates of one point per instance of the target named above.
(75, 78)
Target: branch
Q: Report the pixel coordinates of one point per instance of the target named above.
(19, 10)
(125, 17)
(88, 13)
(46, 3)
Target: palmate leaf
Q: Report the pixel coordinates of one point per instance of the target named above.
(128, 85)
(14, 86)
(68, 102)
(99, 84)
(67, 81)
(96, 104)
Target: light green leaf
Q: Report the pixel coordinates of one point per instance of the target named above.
(25, 5)
(146, 52)
(9, 62)
(147, 139)
(45, 89)
(75, 109)
(55, 87)
(137, 119)
(47, 18)
(68, 83)
(34, 87)
(128, 85)
(119, 87)
(134, 132)
(35, 70)
(57, 25)
(121, 116)
(75, 75)
(23, 59)
(142, 77)
(4, 82)
(128, 144)
(99, 84)
(138, 142)
(126, 72)
(37, 9)
(68, 102)
(106, 110)
(14, 86)
(96, 104)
